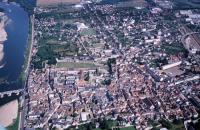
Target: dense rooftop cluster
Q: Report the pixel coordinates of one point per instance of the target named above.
(100, 61)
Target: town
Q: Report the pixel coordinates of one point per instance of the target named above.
(133, 64)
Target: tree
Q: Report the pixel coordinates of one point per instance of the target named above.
(45, 53)
(52, 61)
(109, 63)
(106, 82)
(87, 76)
(106, 124)
(166, 124)
(82, 127)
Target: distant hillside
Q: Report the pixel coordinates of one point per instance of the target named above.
(55, 2)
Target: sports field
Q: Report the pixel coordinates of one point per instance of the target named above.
(75, 65)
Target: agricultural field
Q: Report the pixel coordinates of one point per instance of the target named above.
(133, 3)
(88, 32)
(54, 2)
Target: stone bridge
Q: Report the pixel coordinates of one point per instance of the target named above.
(9, 93)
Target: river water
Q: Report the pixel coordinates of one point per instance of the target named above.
(15, 46)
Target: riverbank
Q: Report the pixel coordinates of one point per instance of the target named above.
(27, 55)
(20, 48)
(26, 67)
(3, 36)
(8, 113)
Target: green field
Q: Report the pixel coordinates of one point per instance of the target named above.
(75, 65)
(128, 128)
(125, 128)
(177, 127)
(87, 32)
(69, 21)
(172, 49)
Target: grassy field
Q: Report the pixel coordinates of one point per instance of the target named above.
(128, 128)
(132, 3)
(69, 21)
(177, 127)
(125, 128)
(54, 2)
(87, 32)
(171, 49)
(75, 65)
(53, 41)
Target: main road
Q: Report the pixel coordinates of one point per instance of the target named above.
(23, 102)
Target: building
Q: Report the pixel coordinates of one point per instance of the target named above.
(165, 67)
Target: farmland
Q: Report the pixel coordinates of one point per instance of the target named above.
(55, 2)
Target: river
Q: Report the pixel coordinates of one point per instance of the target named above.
(15, 46)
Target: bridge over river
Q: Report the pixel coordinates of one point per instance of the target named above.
(9, 93)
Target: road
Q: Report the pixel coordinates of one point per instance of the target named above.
(50, 115)
(23, 102)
